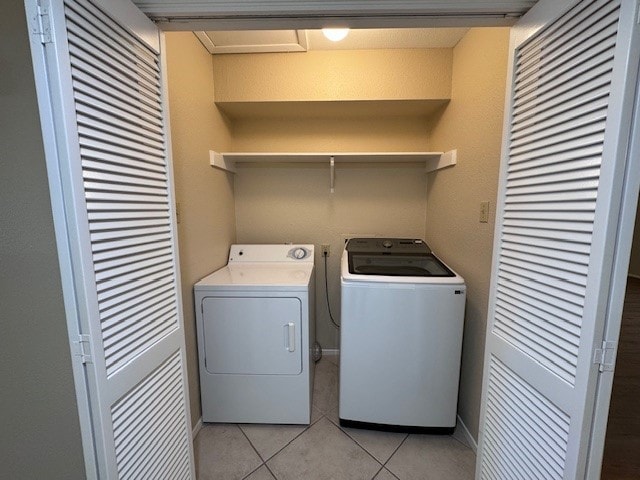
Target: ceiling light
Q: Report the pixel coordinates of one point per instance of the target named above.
(335, 34)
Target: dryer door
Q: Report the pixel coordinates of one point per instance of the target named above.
(252, 335)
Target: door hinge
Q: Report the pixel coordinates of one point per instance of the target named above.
(41, 24)
(605, 357)
(83, 348)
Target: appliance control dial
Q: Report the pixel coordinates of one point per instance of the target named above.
(298, 253)
(387, 244)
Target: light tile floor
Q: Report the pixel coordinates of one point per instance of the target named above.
(326, 451)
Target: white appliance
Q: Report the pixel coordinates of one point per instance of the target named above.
(401, 336)
(255, 323)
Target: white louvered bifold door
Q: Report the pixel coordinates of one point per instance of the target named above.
(107, 95)
(561, 179)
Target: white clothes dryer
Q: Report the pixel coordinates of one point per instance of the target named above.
(402, 316)
(255, 325)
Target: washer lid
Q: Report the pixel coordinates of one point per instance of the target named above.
(394, 257)
(418, 265)
(259, 276)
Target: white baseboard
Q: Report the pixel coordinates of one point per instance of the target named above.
(467, 435)
(197, 428)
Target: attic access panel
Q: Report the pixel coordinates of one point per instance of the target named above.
(253, 41)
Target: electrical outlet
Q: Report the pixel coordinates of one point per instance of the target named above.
(326, 250)
(484, 212)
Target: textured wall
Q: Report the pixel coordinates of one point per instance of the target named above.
(334, 75)
(204, 195)
(276, 204)
(472, 123)
(39, 426)
(292, 203)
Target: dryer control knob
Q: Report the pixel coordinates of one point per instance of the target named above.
(387, 244)
(299, 253)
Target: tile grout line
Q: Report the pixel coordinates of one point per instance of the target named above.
(254, 449)
(394, 452)
(354, 441)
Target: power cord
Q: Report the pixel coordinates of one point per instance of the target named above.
(326, 291)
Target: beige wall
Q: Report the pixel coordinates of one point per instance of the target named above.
(206, 225)
(292, 203)
(276, 204)
(39, 425)
(338, 134)
(472, 123)
(334, 75)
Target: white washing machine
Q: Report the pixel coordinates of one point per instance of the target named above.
(255, 324)
(401, 337)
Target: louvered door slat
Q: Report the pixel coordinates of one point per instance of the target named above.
(112, 265)
(532, 145)
(137, 325)
(547, 253)
(133, 124)
(101, 74)
(553, 283)
(95, 160)
(133, 110)
(155, 411)
(555, 262)
(104, 140)
(578, 114)
(585, 77)
(537, 242)
(563, 215)
(569, 321)
(121, 130)
(117, 97)
(81, 48)
(128, 243)
(591, 40)
(534, 169)
(550, 293)
(143, 292)
(110, 51)
(527, 409)
(575, 100)
(145, 301)
(562, 28)
(86, 74)
(90, 165)
(87, 12)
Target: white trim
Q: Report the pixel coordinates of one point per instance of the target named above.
(630, 148)
(302, 14)
(47, 112)
(196, 429)
(126, 14)
(633, 275)
(466, 434)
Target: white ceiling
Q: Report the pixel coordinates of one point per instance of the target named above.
(252, 41)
